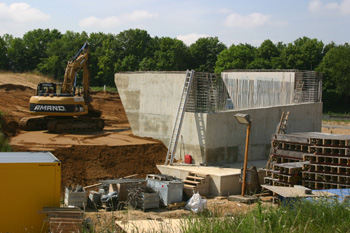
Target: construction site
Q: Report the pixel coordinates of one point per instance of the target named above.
(182, 130)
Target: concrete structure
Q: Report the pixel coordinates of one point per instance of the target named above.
(224, 181)
(212, 135)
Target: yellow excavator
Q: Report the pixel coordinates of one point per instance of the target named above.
(63, 108)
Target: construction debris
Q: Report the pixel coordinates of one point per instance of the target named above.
(243, 199)
(121, 186)
(143, 198)
(170, 189)
(252, 181)
(75, 197)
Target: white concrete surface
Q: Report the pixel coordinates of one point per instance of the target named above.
(151, 101)
(259, 89)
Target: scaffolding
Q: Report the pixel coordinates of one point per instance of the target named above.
(209, 92)
(308, 87)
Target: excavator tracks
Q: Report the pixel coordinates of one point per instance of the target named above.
(75, 125)
(64, 125)
(34, 123)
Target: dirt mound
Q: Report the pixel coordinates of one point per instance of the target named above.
(26, 79)
(85, 165)
(111, 106)
(9, 126)
(13, 87)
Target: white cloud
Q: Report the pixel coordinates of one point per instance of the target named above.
(317, 6)
(345, 7)
(139, 15)
(249, 21)
(107, 22)
(224, 10)
(112, 21)
(191, 38)
(21, 13)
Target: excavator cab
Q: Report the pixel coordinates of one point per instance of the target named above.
(47, 89)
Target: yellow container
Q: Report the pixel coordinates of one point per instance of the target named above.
(29, 181)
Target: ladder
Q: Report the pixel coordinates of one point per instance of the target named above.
(281, 129)
(179, 118)
(282, 126)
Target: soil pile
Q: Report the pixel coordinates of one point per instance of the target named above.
(87, 162)
(86, 165)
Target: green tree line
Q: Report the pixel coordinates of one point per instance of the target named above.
(47, 51)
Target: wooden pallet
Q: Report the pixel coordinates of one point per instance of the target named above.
(324, 185)
(294, 168)
(276, 182)
(325, 168)
(327, 159)
(283, 159)
(64, 219)
(336, 151)
(324, 177)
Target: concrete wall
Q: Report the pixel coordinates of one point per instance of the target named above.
(151, 101)
(259, 89)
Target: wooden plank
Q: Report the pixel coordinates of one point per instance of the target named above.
(191, 182)
(295, 192)
(91, 186)
(196, 177)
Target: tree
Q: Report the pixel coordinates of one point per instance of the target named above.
(17, 55)
(266, 56)
(135, 45)
(36, 42)
(236, 57)
(106, 57)
(3, 55)
(96, 41)
(59, 52)
(336, 69)
(172, 54)
(303, 54)
(336, 78)
(205, 52)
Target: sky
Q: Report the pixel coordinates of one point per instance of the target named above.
(232, 21)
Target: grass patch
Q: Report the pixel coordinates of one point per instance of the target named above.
(4, 146)
(300, 216)
(101, 88)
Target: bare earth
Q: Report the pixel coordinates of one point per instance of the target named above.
(89, 157)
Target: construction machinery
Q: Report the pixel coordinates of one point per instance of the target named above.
(61, 107)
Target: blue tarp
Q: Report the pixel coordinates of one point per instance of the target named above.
(342, 193)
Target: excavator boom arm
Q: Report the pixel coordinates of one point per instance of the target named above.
(78, 62)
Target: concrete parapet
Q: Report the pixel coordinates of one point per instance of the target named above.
(151, 100)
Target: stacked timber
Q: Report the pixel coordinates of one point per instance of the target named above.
(64, 219)
(328, 164)
(284, 174)
(286, 158)
(317, 160)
